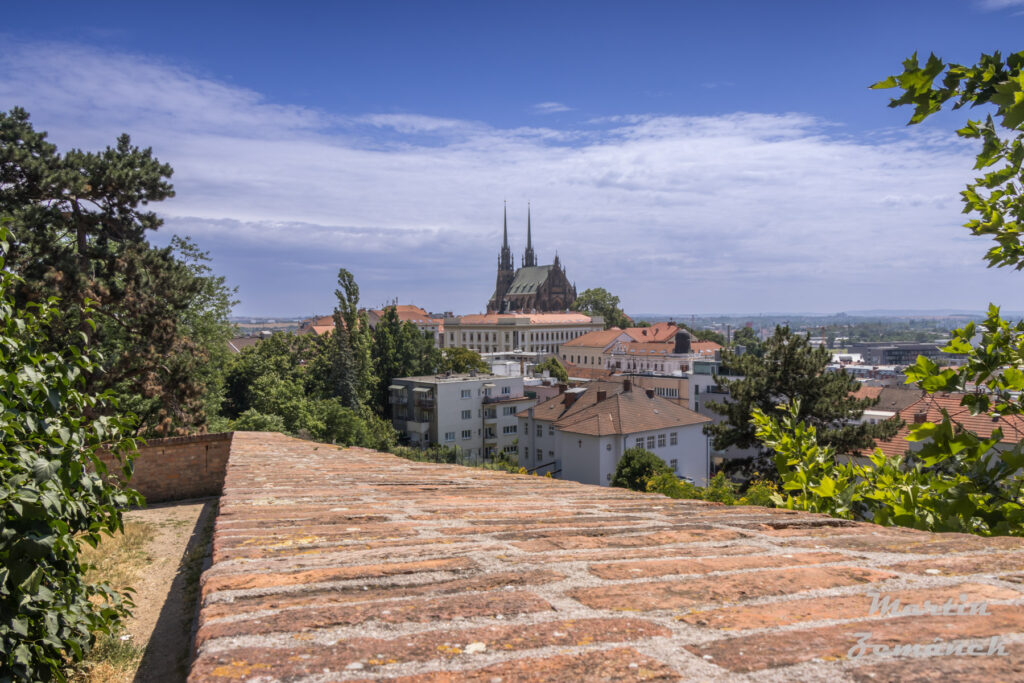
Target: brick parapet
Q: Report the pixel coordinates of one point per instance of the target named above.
(339, 564)
(178, 468)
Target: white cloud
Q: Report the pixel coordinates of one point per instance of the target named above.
(1000, 4)
(741, 212)
(550, 108)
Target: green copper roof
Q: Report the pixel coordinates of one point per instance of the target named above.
(528, 280)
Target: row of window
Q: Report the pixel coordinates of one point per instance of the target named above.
(486, 391)
(540, 454)
(673, 439)
(540, 429)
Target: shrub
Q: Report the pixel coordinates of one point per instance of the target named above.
(636, 467)
(53, 494)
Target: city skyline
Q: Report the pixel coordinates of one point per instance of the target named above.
(710, 160)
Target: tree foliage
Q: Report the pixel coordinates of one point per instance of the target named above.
(53, 496)
(555, 369)
(161, 317)
(791, 369)
(458, 359)
(636, 467)
(954, 480)
(747, 338)
(599, 301)
(399, 349)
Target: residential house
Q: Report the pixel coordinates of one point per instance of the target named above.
(582, 433)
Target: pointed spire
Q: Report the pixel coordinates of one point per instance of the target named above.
(505, 258)
(529, 258)
(505, 243)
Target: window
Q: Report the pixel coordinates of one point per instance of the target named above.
(526, 451)
(579, 443)
(449, 436)
(467, 434)
(674, 464)
(467, 414)
(551, 454)
(540, 430)
(510, 429)
(551, 429)
(661, 440)
(640, 442)
(508, 410)
(650, 442)
(696, 405)
(673, 439)
(512, 449)
(467, 393)
(696, 388)
(506, 390)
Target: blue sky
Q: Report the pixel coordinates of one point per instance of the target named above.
(690, 157)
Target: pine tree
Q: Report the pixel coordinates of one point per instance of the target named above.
(790, 368)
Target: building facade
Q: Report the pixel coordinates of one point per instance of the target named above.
(532, 287)
(517, 332)
(476, 413)
(582, 434)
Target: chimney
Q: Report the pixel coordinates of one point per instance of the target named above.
(601, 395)
(650, 393)
(562, 388)
(627, 385)
(920, 417)
(570, 399)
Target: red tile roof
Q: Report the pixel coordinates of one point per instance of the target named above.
(655, 333)
(597, 338)
(619, 412)
(929, 407)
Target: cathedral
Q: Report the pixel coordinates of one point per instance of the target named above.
(531, 288)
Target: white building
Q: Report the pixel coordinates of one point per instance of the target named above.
(476, 413)
(509, 332)
(581, 434)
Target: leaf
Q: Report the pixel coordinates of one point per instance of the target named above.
(826, 488)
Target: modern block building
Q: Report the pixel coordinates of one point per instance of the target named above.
(475, 412)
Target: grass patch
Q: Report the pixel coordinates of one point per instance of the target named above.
(118, 560)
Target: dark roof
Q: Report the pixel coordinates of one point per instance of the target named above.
(528, 280)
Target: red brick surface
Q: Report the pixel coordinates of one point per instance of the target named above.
(178, 468)
(338, 564)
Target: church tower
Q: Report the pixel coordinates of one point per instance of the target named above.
(506, 273)
(529, 258)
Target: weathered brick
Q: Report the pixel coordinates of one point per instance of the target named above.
(658, 595)
(411, 610)
(628, 541)
(951, 668)
(242, 581)
(613, 665)
(963, 564)
(786, 612)
(756, 652)
(639, 570)
(481, 582)
(444, 646)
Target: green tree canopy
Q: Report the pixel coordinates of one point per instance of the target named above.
(747, 338)
(599, 301)
(399, 350)
(458, 359)
(555, 369)
(791, 369)
(636, 467)
(161, 317)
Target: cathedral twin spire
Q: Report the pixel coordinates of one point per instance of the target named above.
(529, 257)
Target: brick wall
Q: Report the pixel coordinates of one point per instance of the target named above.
(341, 564)
(179, 468)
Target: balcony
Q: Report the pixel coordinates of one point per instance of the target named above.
(425, 402)
(417, 427)
(398, 399)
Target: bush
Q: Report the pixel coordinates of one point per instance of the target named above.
(53, 496)
(636, 467)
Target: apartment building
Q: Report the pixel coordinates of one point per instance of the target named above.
(474, 412)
